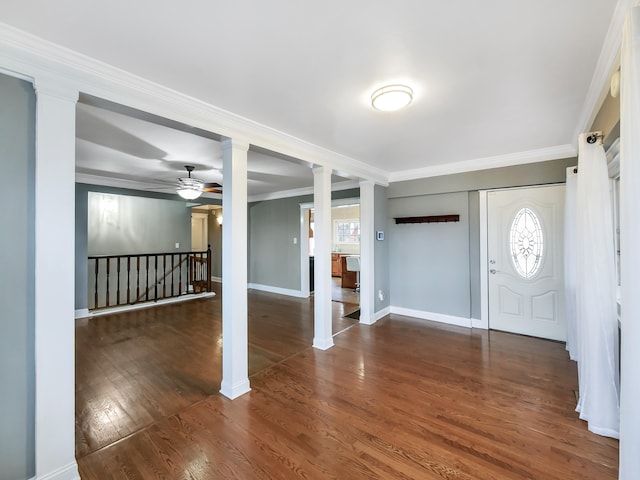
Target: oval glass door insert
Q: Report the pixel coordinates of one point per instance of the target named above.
(526, 241)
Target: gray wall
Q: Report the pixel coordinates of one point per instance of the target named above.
(17, 277)
(138, 225)
(143, 223)
(457, 193)
(429, 262)
(274, 259)
(381, 248)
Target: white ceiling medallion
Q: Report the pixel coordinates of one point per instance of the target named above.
(391, 97)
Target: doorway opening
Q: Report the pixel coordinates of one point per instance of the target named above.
(345, 235)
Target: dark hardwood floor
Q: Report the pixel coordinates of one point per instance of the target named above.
(403, 398)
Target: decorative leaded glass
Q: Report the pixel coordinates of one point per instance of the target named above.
(526, 242)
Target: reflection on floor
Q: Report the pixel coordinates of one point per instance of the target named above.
(346, 295)
(136, 368)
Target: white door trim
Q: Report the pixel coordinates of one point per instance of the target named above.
(204, 219)
(484, 260)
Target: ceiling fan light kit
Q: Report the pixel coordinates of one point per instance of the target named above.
(391, 97)
(189, 188)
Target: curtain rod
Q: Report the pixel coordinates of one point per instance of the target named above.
(592, 137)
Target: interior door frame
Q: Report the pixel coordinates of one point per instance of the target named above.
(484, 250)
(304, 238)
(203, 218)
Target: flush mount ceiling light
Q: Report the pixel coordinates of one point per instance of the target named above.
(189, 188)
(391, 97)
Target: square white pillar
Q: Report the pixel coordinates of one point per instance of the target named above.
(367, 236)
(322, 338)
(54, 280)
(235, 353)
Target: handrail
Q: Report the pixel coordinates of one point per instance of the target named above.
(177, 273)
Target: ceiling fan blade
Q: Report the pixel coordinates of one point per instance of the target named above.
(212, 185)
(211, 190)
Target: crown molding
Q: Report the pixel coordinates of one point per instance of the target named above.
(33, 57)
(508, 160)
(607, 62)
(298, 192)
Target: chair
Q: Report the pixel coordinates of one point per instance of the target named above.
(353, 265)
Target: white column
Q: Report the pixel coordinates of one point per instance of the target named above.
(367, 239)
(629, 251)
(235, 355)
(322, 338)
(54, 280)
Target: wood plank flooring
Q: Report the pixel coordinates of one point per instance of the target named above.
(404, 398)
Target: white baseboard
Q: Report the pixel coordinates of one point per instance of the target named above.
(434, 317)
(138, 306)
(216, 279)
(82, 313)
(68, 472)
(280, 291)
(477, 323)
(381, 313)
(375, 317)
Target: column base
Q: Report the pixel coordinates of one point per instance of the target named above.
(323, 343)
(234, 391)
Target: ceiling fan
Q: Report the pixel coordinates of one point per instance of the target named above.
(190, 187)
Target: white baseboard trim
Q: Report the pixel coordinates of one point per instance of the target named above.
(82, 313)
(382, 313)
(477, 323)
(68, 472)
(434, 317)
(216, 279)
(280, 291)
(376, 316)
(138, 306)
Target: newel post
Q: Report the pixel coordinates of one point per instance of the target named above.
(209, 268)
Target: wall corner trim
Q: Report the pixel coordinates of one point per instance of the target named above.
(434, 317)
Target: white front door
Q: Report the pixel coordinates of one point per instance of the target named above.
(525, 247)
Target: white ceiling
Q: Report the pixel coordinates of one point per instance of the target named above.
(491, 78)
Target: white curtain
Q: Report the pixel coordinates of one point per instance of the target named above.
(570, 269)
(596, 294)
(629, 246)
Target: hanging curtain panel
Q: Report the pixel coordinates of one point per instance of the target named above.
(596, 294)
(630, 246)
(570, 271)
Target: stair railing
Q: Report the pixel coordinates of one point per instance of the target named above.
(117, 280)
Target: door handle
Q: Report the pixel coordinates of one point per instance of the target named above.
(493, 271)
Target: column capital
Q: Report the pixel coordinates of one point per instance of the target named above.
(367, 183)
(237, 143)
(321, 169)
(55, 87)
